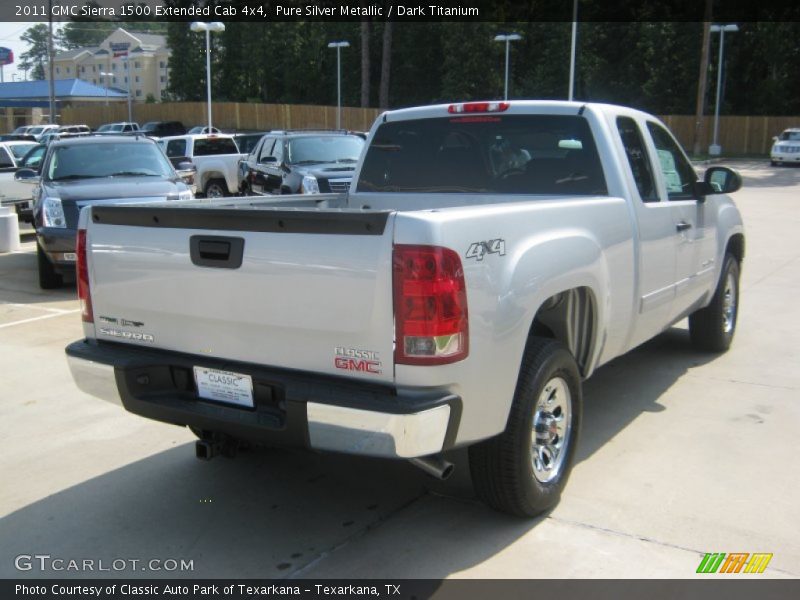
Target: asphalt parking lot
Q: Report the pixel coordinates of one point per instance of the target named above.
(682, 454)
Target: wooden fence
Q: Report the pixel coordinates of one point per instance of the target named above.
(226, 115)
(737, 135)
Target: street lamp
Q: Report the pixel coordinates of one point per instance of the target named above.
(507, 38)
(572, 51)
(127, 62)
(216, 27)
(104, 76)
(715, 149)
(339, 46)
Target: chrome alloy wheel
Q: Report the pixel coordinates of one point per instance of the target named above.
(729, 304)
(552, 422)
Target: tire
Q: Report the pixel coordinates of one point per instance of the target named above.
(49, 279)
(712, 328)
(509, 471)
(216, 188)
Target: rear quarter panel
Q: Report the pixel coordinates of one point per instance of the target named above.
(550, 246)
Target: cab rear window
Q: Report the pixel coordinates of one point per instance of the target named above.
(509, 154)
(211, 146)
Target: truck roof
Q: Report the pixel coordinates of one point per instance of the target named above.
(560, 107)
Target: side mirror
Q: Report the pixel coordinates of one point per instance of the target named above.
(26, 176)
(721, 180)
(774, 138)
(186, 166)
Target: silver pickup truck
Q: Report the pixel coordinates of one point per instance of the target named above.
(488, 258)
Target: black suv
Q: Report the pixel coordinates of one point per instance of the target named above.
(163, 128)
(301, 162)
(80, 171)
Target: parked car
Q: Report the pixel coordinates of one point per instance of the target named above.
(301, 162)
(20, 193)
(201, 129)
(12, 157)
(83, 171)
(488, 258)
(786, 147)
(163, 128)
(22, 130)
(74, 130)
(39, 130)
(117, 128)
(215, 157)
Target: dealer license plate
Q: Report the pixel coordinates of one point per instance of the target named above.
(224, 386)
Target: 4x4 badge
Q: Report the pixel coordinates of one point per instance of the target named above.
(478, 250)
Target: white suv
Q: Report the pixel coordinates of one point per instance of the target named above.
(786, 148)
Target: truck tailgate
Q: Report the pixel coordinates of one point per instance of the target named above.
(313, 290)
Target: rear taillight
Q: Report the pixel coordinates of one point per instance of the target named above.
(82, 275)
(477, 107)
(430, 306)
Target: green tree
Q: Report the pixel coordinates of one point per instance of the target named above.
(35, 57)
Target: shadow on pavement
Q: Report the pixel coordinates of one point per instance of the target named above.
(19, 281)
(760, 174)
(272, 512)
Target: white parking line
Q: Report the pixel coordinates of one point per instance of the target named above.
(33, 306)
(50, 316)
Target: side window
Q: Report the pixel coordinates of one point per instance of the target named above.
(678, 173)
(5, 159)
(266, 149)
(176, 148)
(638, 160)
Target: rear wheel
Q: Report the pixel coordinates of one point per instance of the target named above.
(523, 470)
(711, 329)
(49, 279)
(216, 188)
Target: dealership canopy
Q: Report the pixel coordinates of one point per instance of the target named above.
(36, 93)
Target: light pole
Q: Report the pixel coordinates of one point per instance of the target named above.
(128, 77)
(339, 46)
(216, 27)
(572, 51)
(105, 80)
(507, 38)
(714, 149)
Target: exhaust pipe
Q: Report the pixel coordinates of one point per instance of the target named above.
(435, 466)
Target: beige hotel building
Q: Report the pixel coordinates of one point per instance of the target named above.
(148, 55)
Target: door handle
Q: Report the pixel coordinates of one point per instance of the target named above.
(216, 251)
(683, 226)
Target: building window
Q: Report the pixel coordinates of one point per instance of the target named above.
(113, 80)
(162, 64)
(58, 70)
(83, 69)
(163, 79)
(93, 69)
(126, 79)
(138, 92)
(68, 70)
(113, 66)
(137, 65)
(137, 79)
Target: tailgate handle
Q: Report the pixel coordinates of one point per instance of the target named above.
(216, 251)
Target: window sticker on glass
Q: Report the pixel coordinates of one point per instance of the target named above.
(671, 176)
